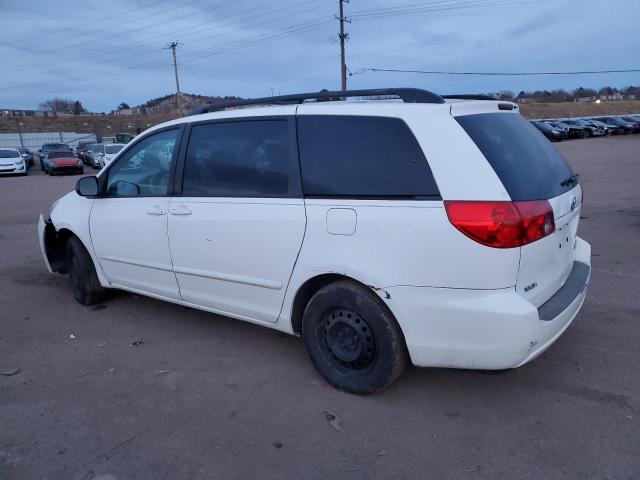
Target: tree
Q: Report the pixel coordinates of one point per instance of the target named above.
(506, 95)
(123, 106)
(584, 92)
(607, 91)
(78, 108)
(59, 105)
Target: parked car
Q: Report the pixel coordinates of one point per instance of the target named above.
(634, 121)
(27, 155)
(548, 131)
(110, 152)
(51, 147)
(95, 152)
(12, 161)
(608, 129)
(625, 127)
(63, 162)
(347, 223)
(81, 151)
(592, 131)
(573, 131)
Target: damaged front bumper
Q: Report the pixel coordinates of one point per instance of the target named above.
(43, 225)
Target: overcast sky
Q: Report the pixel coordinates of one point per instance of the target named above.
(103, 52)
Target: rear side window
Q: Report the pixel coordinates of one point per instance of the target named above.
(359, 156)
(249, 158)
(529, 167)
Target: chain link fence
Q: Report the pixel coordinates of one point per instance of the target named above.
(34, 141)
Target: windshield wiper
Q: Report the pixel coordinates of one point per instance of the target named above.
(573, 179)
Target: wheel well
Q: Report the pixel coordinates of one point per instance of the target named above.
(305, 292)
(55, 244)
(308, 290)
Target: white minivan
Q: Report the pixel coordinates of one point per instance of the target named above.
(383, 226)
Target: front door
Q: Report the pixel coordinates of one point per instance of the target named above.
(236, 230)
(128, 224)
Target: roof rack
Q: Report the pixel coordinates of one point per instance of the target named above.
(466, 96)
(408, 95)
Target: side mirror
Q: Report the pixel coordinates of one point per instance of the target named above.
(87, 186)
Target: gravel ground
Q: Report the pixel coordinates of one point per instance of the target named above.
(209, 397)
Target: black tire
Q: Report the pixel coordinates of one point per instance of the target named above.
(353, 339)
(82, 274)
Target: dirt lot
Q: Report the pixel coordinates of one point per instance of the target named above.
(209, 397)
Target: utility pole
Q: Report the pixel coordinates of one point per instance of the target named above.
(173, 46)
(343, 37)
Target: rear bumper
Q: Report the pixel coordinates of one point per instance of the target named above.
(481, 329)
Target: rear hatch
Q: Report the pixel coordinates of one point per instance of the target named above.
(531, 168)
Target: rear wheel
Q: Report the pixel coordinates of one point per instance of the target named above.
(82, 274)
(352, 338)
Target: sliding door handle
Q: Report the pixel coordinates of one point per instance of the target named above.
(156, 210)
(181, 210)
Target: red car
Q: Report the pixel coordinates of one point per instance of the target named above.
(63, 162)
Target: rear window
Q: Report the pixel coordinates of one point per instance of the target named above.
(529, 167)
(360, 156)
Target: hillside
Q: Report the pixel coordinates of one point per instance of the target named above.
(111, 124)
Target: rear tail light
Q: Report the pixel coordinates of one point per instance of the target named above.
(502, 224)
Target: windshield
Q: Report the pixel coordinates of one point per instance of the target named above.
(529, 167)
(543, 126)
(9, 154)
(56, 147)
(111, 149)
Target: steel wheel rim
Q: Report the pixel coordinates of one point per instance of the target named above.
(347, 341)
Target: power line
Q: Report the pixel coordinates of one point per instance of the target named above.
(493, 74)
(116, 52)
(433, 7)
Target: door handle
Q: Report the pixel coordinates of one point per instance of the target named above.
(156, 211)
(181, 210)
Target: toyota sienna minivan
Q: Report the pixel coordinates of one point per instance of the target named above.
(383, 226)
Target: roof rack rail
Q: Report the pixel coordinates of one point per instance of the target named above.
(408, 95)
(466, 96)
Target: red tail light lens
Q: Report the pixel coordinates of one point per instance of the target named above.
(502, 224)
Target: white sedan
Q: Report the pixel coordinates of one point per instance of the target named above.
(11, 161)
(110, 152)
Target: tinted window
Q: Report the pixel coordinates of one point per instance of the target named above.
(251, 158)
(144, 169)
(361, 157)
(529, 167)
